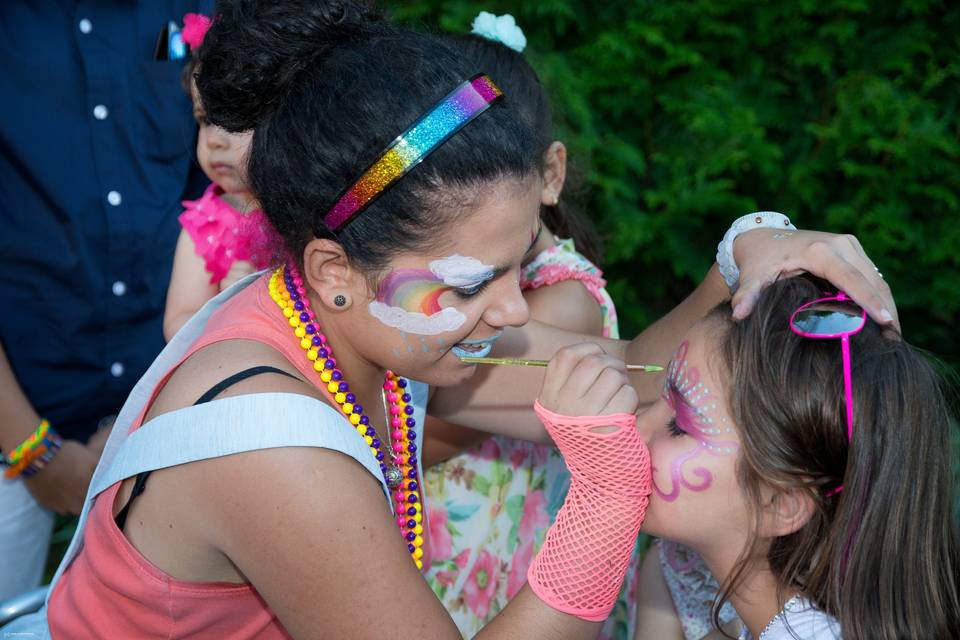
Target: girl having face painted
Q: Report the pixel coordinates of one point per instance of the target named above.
(263, 478)
(677, 591)
(816, 526)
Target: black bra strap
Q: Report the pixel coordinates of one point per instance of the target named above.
(221, 386)
(141, 484)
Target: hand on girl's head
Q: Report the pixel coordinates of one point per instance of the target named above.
(582, 380)
(765, 254)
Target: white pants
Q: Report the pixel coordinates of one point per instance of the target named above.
(25, 530)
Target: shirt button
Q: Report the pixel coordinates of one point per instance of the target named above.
(85, 26)
(119, 288)
(116, 369)
(100, 112)
(114, 198)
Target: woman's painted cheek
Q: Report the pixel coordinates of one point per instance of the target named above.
(696, 410)
(419, 344)
(409, 299)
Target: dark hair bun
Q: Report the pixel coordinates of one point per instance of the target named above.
(325, 87)
(268, 44)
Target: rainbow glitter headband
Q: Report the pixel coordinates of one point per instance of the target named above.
(435, 127)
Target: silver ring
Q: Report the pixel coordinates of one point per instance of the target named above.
(878, 271)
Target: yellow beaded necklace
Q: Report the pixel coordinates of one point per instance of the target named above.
(400, 473)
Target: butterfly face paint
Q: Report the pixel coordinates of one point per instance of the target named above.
(695, 408)
(409, 299)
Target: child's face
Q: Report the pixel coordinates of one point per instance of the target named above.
(694, 448)
(222, 155)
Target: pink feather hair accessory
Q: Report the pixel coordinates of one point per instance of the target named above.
(195, 26)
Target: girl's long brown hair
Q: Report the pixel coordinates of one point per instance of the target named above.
(881, 555)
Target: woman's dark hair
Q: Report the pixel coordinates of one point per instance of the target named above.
(523, 89)
(882, 554)
(326, 86)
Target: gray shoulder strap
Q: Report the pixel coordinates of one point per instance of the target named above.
(236, 425)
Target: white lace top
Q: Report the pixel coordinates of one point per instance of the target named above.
(799, 620)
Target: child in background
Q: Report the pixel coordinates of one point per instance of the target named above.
(225, 236)
(796, 501)
(490, 506)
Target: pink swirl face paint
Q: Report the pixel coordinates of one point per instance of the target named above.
(695, 407)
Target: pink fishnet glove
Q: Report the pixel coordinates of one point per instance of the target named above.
(582, 563)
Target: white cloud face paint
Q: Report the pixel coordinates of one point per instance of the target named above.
(448, 319)
(461, 271)
(408, 299)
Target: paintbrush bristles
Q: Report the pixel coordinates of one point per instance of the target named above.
(645, 368)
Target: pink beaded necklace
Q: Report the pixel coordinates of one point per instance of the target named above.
(399, 468)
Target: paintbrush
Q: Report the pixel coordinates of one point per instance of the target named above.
(646, 368)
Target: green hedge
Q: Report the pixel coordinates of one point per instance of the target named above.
(684, 115)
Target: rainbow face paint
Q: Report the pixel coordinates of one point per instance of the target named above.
(409, 299)
(695, 408)
(458, 108)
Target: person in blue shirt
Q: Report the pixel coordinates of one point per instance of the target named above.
(96, 140)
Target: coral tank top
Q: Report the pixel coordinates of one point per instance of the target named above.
(112, 591)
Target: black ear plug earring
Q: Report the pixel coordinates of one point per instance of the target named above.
(340, 300)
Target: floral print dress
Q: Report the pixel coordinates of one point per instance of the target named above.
(489, 508)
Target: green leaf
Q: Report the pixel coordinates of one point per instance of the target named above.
(482, 485)
(514, 507)
(458, 512)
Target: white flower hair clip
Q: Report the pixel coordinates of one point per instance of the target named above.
(502, 29)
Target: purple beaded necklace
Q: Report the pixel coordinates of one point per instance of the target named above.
(400, 469)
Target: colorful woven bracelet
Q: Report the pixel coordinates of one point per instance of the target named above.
(29, 443)
(39, 447)
(53, 443)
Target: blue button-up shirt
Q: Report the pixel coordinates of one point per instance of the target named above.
(96, 153)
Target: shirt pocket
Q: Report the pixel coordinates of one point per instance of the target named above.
(163, 113)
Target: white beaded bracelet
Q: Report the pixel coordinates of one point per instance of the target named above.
(756, 220)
